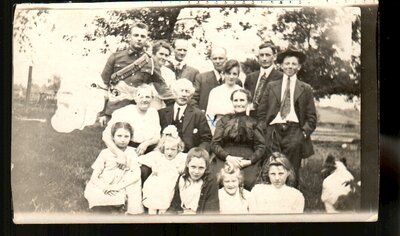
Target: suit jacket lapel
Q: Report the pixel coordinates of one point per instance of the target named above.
(277, 87)
(188, 115)
(298, 90)
(213, 80)
(272, 74)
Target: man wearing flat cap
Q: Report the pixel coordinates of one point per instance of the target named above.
(288, 110)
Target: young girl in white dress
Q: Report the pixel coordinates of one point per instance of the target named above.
(232, 196)
(167, 162)
(272, 194)
(116, 179)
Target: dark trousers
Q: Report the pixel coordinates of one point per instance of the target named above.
(145, 171)
(286, 139)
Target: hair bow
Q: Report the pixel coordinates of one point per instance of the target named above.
(171, 130)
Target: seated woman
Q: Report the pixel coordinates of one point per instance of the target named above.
(239, 139)
(219, 102)
(274, 194)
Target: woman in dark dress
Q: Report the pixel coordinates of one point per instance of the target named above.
(240, 140)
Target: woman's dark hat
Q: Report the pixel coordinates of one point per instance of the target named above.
(291, 51)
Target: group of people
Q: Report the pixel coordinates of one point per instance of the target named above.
(191, 142)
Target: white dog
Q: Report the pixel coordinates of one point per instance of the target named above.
(339, 190)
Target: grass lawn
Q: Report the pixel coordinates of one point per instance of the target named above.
(50, 169)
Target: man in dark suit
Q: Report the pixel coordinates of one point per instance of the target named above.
(256, 81)
(206, 81)
(191, 122)
(288, 108)
(178, 65)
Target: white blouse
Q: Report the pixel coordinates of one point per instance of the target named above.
(235, 204)
(267, 199)
(145, 126)
(190, 195)
(219, 100)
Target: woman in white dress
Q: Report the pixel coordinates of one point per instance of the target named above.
(219, 102)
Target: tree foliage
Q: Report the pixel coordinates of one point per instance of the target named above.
(312, 30)
(25, 26)
(161, 22)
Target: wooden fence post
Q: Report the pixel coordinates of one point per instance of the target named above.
(29, 86)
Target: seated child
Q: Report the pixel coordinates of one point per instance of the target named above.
(116, 179)
(232, 197)
(272, 194)
(196, 191)
(167, 162)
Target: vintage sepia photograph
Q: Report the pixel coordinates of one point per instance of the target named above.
(154, 112)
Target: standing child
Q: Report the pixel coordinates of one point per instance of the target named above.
(232, 197)
(167, 162)
(116, 178)
(272, 194)
(196, 191)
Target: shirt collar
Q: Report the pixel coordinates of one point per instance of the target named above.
(266, 71)
(292, 78)
(183, 108)
(179, 64)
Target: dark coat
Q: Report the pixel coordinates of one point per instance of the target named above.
(251, 79)
(187, 72)
(303, 105)
(208, 202)
(195, 130)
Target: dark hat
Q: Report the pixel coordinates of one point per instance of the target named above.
(291, 51)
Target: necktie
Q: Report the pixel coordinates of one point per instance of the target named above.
(178, 70)
(177, 114)
(285, 108)
(259, 89)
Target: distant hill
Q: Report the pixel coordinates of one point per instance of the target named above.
(338, 116)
